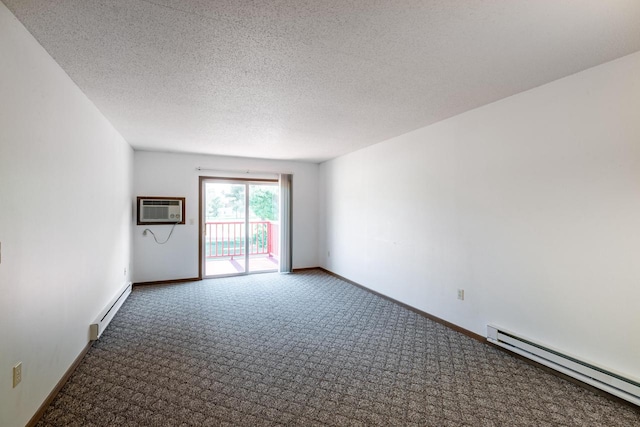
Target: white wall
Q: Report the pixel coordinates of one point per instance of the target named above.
(65, 219)
(168, 174)
(531, 205)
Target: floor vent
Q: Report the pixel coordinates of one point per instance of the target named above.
(97, 328)
(611, 382)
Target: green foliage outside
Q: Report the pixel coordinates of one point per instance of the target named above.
(264, 204)
(214, 205)
(228, 202)
(236, 198)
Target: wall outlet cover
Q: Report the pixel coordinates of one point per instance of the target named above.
(17, 374)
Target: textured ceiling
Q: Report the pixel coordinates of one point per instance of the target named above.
(314, 79)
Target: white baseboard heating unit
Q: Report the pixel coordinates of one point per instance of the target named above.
(97, 328)
(611, 382)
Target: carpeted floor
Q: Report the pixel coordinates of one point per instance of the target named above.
(305, 349)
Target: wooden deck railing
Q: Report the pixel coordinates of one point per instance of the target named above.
(227, 238)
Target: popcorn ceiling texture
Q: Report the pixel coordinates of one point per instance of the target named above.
(306, 349)
(312, 80)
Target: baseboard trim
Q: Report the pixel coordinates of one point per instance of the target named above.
(484, 341)
(408, 307)
(300, 270)
(165, 282)
(41, 410)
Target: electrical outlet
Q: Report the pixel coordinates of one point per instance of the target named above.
(17, 374)
(144, 233)
(125, 271)
(461, 294)
(328, 254)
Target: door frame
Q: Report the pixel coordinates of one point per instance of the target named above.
(202, 218)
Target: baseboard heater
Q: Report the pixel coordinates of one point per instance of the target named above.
(611, 382)
(97, 328)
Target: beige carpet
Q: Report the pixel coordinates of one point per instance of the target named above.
(305, 349)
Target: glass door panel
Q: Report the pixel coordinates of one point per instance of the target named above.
(264, 231)
(224, 228)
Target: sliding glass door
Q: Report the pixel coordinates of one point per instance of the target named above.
(241, 228)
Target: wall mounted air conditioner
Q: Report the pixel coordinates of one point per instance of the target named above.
(160, 210)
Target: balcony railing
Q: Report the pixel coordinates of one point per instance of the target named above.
(227, 239)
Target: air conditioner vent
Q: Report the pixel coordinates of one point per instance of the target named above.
(160, 210)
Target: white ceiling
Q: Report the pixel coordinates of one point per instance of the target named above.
(314, 79)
